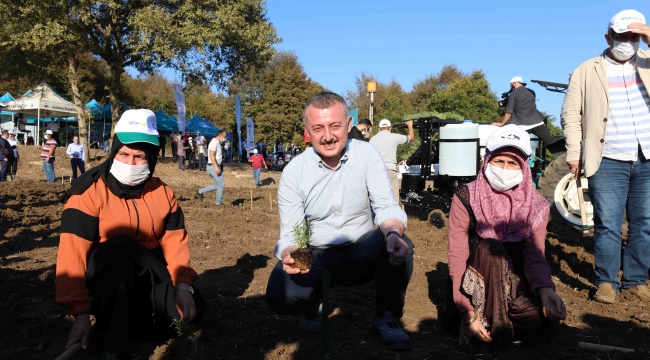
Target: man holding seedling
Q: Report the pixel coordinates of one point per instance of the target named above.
(339, 187)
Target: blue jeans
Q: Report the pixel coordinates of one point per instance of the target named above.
(4, 167)
(615, 187)
(256, 175)
(202, 161)
(48, 167)
(218, 185)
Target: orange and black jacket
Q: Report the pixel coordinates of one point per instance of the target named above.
(153, 218)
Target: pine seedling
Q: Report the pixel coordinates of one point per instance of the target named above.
(302, 233)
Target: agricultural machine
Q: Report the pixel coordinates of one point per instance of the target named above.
(450, 155)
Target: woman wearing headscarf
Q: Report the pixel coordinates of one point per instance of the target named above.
(123, 253)
(501, 282)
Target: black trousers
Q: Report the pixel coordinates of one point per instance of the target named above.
(77, 163)
(134, 298)
(350, 265)
(542, 133)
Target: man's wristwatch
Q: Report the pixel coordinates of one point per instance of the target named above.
(393, 232)
(185, 288)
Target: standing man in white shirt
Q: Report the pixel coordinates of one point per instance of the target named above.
(76, 153)
(201, 149)
(387, 142)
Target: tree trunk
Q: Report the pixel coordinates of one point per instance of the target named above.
(115, 95)
(78, 103)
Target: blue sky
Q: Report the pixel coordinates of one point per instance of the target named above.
(407, 40)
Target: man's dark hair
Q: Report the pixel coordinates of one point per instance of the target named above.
(220, 132)
(365, 122)
(324, 100)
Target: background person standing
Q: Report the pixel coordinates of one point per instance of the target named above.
(13, 166)
(201, 150)
(215, 168)
(604, 116)
(76, 152)
(7, 155)
(387, 142)
(48, 156)
(257, 161)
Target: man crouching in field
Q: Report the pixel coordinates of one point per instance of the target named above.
(336, 186)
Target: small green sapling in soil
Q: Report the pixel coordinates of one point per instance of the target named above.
(302, 255)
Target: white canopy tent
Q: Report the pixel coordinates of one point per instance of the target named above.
(42, 101)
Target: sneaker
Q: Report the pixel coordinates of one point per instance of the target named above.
(605, 293)
(310, 323)
(389, 330)
(641, 291)
(199, 196)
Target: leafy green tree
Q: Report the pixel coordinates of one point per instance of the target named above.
(424, 89)
(390, 101)
(209, 40)
(275, 97)
(470, 97)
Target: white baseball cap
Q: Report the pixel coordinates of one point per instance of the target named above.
(509, 136)
(385, 123)
(620, 21)
(254, 151)
(11, 132)
(49, 132)
(137, 125)
(517, 79)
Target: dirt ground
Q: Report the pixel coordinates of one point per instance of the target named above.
(232, 249)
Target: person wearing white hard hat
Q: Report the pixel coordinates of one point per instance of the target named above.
(386, 143)
(605, 117)
(123, 254)
(501, 286)
(522, 110)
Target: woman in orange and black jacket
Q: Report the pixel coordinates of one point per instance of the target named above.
(123, 254)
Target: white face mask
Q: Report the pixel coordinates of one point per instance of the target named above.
(502, 179)
(130, 175)
(624, 51)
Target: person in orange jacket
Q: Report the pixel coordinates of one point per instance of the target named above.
(123, 254)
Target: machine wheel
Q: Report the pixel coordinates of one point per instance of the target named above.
(558, 186)
(438, 219)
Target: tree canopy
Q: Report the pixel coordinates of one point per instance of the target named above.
(275, 97)
(206, 40)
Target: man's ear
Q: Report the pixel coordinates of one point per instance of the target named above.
(349, 123)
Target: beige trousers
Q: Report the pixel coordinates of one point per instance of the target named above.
(392, 175)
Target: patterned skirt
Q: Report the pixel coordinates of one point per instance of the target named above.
(495, 283)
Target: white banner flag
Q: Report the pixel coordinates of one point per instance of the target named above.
(250, 131)
(180, 106)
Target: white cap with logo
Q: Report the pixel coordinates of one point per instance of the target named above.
(384, 123)
(509, 136)
(620, 21)
(137, 125)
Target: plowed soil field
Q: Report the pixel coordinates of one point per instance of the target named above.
(232, 250)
